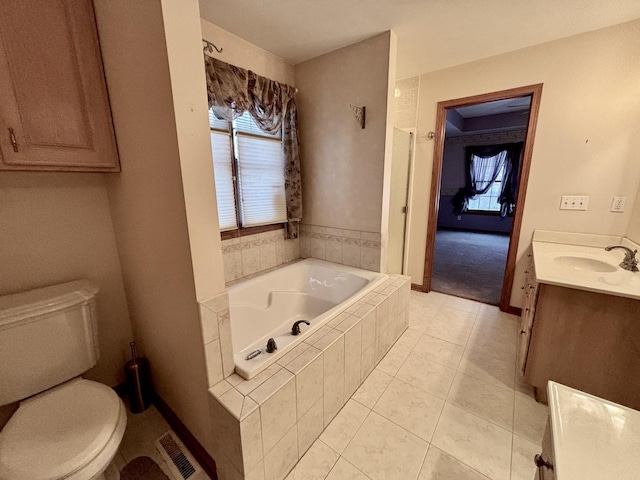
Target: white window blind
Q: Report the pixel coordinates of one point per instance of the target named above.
(260, 171)
(222, 167)
(261, 182)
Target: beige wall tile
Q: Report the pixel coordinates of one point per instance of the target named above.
(351, 255)
(368, 361)
(283, 457)
(209, 321)
(334, 362)
(309, 386)
(214, 362)
(333, 400)
(333, 251)
(226, 347)
(268, 256)
(352, 360)
(250, 261)
(310, 426)
(251, 439)
(370, 258)
(278, 415)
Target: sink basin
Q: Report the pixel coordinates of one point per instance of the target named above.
(585, 263)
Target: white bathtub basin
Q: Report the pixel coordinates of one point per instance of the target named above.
(267, 306)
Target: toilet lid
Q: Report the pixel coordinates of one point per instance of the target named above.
(58, 432)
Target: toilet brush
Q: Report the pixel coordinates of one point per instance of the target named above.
(139, 387)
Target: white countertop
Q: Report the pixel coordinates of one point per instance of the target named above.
(549, 253)
(593, 439)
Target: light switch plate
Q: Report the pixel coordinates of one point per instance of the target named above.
(574, 202)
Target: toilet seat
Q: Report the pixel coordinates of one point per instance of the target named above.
(70, 431)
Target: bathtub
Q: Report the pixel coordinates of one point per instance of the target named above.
(266, 307)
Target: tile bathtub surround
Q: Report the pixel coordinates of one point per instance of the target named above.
(451, 411)
(407, 102)
(263, 426)
(347, 247)
(216, 335)
(245, 256)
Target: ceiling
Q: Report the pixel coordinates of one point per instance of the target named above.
(432, 34)
(497, 107)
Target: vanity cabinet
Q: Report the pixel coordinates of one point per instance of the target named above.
(528, 311)
(54, 108)
(586, 340)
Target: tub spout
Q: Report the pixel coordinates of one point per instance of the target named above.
(295, 330)
(271, 346)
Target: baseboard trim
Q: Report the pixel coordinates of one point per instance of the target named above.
(417, 288)
(514, 311)
(205, 460)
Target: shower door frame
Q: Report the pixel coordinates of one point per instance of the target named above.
(535, 92)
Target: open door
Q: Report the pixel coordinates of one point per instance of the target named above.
(532, 91)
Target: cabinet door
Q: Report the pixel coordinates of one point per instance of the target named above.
(528, 313)
(54, 109)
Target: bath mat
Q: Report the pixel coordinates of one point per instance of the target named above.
(142, 468)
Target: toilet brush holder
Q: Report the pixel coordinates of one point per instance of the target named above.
(138, 379)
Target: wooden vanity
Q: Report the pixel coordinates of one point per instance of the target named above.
(586, 340)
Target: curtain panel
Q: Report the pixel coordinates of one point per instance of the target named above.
(232, 91)
(480, 166)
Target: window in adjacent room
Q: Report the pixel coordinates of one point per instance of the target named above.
(249, 174)
(488, 201)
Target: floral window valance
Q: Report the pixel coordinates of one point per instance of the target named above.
(232, 91)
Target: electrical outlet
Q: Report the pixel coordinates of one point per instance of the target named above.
(618, 204)
(574, 202)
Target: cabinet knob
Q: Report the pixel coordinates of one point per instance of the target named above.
(522, 287)
(526, 271)
(522, 331)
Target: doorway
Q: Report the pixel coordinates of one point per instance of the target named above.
(482, 155)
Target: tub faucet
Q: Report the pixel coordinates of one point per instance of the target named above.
(630, 261)
(295, 330)
(271, 346)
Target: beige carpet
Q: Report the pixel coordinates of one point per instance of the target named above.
(470, 264)
(142, 468)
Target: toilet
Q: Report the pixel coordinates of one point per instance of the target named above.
(66, 427)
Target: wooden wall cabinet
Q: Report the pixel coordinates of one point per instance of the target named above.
(585, 340)
(54, 107)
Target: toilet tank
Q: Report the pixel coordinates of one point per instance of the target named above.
(47, 336)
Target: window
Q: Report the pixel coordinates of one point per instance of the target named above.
(488, 201)
(249, 173)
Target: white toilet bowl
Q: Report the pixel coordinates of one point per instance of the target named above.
(69, 432)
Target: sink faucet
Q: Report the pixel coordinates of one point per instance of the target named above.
(630, 261)
(295, 330)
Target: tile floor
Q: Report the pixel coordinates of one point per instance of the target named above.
(445, 403)
(139, 440)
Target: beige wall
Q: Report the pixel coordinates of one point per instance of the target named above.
(343, 165)
(241, 53)
(587, 138)
(56, 227)
(633, 230)
(147, 199)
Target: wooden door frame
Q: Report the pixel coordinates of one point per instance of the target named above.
(535, 91)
